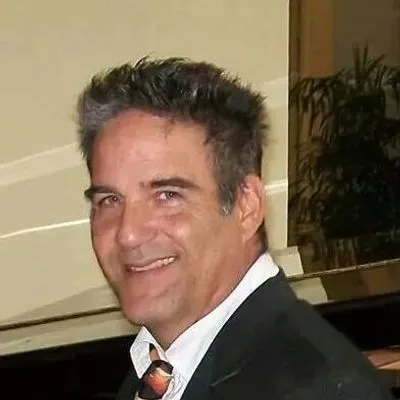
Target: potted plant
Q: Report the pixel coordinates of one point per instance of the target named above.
(348, 178)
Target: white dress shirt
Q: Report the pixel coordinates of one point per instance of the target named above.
(186, 352)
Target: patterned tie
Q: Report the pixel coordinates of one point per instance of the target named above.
(156, 379)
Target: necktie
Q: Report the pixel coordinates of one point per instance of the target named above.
(156, 379)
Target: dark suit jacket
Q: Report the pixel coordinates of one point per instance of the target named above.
(276, 347)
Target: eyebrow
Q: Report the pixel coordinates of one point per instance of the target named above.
(174, 181)
(92, 190)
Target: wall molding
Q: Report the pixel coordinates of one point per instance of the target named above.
(276, 92)
(276, 186)
(40, 164)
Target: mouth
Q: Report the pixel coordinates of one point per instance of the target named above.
(151, 265)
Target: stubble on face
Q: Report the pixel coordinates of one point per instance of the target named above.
(166, 249)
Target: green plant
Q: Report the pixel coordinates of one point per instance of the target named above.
(348, 178)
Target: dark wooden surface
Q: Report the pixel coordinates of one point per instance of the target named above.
(94, 370)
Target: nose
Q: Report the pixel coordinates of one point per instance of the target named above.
(135, 226)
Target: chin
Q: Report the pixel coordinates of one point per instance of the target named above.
(134, 316)
(143, 308)
(138, 313)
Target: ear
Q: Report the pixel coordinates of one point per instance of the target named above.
(251, 205)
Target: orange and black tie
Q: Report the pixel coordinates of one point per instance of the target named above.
(156, 379)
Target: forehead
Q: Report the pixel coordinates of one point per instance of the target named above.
(143, 144)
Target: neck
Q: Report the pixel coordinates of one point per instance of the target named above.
(167, 334)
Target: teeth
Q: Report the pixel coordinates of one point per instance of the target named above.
(155, 264)
(160, 263)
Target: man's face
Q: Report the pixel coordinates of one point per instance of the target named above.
(157, 228)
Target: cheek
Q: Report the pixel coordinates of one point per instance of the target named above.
(102, 243)
(104, 225)
(103, 221)
(105, 253)
(196, 233)
(184, 228)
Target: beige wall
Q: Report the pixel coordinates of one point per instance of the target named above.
(48, 51)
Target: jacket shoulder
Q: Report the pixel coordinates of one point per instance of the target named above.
(328, 365)
(303, 358)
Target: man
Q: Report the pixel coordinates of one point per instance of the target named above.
(173, 149)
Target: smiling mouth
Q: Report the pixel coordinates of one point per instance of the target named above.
(156, 264)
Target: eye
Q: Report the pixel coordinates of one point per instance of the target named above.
(107, 201)
(168, 195)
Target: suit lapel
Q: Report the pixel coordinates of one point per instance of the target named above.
(240, 341)
(129, 386)
(254, 356)
(250, 328)
(198, 387)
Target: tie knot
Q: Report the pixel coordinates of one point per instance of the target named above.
(155, 380)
